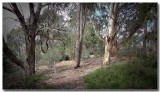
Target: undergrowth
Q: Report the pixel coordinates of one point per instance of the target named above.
(29, 82)
(139, 73)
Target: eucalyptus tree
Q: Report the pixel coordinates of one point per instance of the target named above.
(30, 29)
(83, 10)
(120, 22)
(53, 22)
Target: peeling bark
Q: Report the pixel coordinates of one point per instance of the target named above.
(109, 40)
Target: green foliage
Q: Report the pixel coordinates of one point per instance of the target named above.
(85, 54)
(139, 73)
(30, 81)
(38, 55)
(53, 54)
(70, 44)
(65, 57)
(145, 10)
(99, 49)
(148, 60)
(91, 42)
(16, 39)
(88, 35)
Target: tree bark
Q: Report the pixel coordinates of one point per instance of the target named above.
(78, 42)
(30, 33)
(80, 29)
(30, 51)
(109, 40)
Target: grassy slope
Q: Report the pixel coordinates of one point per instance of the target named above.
(139, 73)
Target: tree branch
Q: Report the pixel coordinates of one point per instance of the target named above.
(31, 9)
(38, 10)
(8, 9)
(19, 16)
(11, 56)
(11, 18)
(45, 5)
(63, 25)
(137, 26)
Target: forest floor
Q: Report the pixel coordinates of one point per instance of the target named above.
(66, 77)
(62, 76)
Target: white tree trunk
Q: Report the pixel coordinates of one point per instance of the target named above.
(109, 40)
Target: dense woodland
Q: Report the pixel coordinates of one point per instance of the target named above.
(81, 46)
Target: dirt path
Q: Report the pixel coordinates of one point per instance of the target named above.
(66, 77)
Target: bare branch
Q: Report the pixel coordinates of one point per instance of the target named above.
(21, 9)
(63, 25)
(11, 18)
(31, 9)
(45, 5)
(19, 16)
(136, 27)
(38, 10)
(8, 9)
(32, 14)
(39, 30)
(57, 29)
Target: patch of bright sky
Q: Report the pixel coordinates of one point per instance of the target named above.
(65, 15)
(97, 12)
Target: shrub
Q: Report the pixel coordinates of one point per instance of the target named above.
(50, 56)
(85, 54)
(99, 51)
(65, 57)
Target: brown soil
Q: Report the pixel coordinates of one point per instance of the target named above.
(66, 77)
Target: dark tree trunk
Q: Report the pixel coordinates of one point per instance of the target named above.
(30, 52)
(30, 33)
(78, 54)
(81, 26)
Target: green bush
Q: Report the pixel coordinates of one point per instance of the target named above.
(85, 54)
(70, 51)
(99, 51)
(50, 56)
(29, 82)
(65, 57)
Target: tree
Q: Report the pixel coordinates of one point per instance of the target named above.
(124, 21)
(30, 30)
(81, 25)
(109, 40)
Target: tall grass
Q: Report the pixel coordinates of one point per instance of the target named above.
(139, 73)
